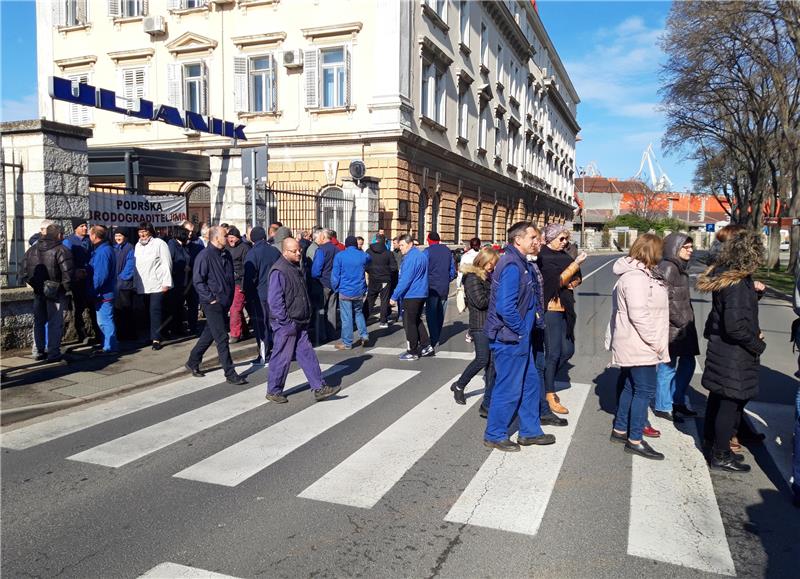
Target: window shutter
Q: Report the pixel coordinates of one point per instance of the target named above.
(79, 114)
(273, 82)
(59, 13)
(204, 91)
(175, 85)
(83, 12)
(241, 93)
(174, 4)
(347, 79)
(311, 73)
(145, 8)
(114, 8)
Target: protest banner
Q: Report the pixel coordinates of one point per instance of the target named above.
(128, 210)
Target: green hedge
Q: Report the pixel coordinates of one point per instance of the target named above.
(643, 225)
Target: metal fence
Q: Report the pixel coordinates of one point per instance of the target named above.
(300, 209)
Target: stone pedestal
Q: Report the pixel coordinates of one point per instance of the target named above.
(367, 207)
(46, 176)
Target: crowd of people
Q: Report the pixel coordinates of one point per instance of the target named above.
(294, 292)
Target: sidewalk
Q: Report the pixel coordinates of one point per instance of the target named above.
(31, 388)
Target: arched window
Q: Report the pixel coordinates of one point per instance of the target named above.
(478, 219)
(199, 204)
(494, 223)
(457, 227)
(435, 213)
(421, 214)
(336, 210)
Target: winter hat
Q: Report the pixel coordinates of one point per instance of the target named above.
(77, 222)
(257, 234)
(552, 231)
(433, 236)
(235, 232)
(351, 241)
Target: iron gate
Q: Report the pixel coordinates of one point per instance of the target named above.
(301, 210)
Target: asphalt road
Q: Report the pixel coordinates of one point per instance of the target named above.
(390, 479)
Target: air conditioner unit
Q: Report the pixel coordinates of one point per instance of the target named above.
(155, 25)
(293, 58)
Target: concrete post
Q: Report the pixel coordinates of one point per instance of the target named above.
(367, 207)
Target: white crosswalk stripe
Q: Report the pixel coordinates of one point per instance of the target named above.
(244, 459)
(676, 494)
(175, 571)
(510, 492)
(369, 473)
(135, 445)
(384, 351)
(59, 426)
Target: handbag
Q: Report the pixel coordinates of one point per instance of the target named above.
(461, 300)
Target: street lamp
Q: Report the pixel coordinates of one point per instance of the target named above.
(581, 174)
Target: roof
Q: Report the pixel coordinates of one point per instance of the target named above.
(151, 164)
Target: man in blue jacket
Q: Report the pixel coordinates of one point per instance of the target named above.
(348, 279)
(412, 288)
(125, 288)
(213, 280)
(321, 269)
(514, 311)
(102, 276)
(441, 271)
(257, 264)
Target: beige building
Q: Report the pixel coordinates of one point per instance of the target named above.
(461, 110)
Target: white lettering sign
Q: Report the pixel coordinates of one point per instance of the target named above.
(128, 210)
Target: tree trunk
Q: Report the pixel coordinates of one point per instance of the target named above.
(773, 248)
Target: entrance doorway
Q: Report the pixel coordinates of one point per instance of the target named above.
(200, 204)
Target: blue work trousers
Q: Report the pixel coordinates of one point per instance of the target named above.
(105, 319)
(517, 390)
(291, 341)
(435, 309)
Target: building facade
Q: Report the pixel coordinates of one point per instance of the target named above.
(461, 110)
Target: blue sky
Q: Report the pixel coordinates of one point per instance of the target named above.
(610, 50)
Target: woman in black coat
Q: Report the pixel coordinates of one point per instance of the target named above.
(735, 343)
(477, 288)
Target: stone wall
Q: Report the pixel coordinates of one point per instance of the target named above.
(16, 318)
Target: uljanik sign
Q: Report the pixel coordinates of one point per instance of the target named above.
(87, 95)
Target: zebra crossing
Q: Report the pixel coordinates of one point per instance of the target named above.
(509, 492)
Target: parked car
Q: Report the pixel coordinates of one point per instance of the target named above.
(784, 246)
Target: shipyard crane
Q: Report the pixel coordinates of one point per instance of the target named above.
(658, 181)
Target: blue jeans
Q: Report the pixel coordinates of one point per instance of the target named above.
(346, 308)
(558, 347)
(435, 308)
(640, 387)
(516, 391)
(673, 380)
(48, 325)
(105, 319)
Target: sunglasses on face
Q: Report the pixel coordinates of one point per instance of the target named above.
(563, 238)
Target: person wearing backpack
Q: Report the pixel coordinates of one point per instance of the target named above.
(48, 269)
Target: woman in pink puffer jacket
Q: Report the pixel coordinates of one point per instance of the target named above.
(639, 339)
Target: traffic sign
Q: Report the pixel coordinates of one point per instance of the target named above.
(710, 227)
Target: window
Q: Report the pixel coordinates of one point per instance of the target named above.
(500, 67)
(262, 85)
(433, 92)
(464, 22)
(186, 4)
(132, 86)
(513, 146)
(440, 7)
(193, 87)
(463, 113)
(127, 8)
(336, 210)
(499, 136)
(71, 13)
(333, 78)
(484, 46)
(483, 127)
(79, 114)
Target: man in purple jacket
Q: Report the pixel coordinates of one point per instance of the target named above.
(289, 316)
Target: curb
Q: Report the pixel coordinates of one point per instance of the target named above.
(13, 415)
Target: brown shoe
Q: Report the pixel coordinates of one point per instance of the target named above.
(341, 346)
(555, 405)
(735, 446)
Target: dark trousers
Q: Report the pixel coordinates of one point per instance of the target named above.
(537, 345)
(176, 314)
(435, 308)
(192, 308)
(330, 316)
(482, 361)
(723, 416)
(259, 321)
(558, 347)
(82, 303)
(216, 330)
(154, 303)
(416, 334)
(383, 290)
(123, 315)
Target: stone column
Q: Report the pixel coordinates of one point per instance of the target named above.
(229, 198)
(48, 178)
(367, 206)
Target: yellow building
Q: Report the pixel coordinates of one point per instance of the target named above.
(461, 110)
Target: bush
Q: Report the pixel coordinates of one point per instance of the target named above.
(643, 225)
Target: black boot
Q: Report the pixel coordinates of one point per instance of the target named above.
(725, 460)
(458, 394)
